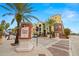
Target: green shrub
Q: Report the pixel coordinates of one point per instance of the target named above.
(67, 32)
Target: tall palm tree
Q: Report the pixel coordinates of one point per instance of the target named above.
(50, 23)
(21, 11)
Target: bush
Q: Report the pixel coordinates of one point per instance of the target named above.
(1, 34)
(67, 32)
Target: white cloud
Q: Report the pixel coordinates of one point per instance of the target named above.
(52, 11)
(69, 14)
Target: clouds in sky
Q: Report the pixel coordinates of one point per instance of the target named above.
(71, 20)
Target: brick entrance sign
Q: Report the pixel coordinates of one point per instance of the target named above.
(25, 38)
(25, 31)
(58, 28)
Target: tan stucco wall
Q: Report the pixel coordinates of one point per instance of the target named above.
(57, 18)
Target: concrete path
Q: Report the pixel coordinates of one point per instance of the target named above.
(74, 44)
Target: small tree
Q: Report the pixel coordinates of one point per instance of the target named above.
(67, 32)
(7, 25)
(1, 30)
(3, 26)
(50, 23)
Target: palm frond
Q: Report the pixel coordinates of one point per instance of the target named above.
(19, 6)
(25, 18)
(7, 14)
(12, 20)
(28, 8)
(5, 8)
(11, 6)
(26, 5)
(28, 11)
(32, 17)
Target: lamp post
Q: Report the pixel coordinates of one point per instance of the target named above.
(37, 40)
(36, 36)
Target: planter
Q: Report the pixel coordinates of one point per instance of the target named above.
(24, 45)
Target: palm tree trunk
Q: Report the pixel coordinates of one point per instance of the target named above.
(50, 30)
(17, 35)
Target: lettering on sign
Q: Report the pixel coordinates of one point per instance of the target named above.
(25, 32)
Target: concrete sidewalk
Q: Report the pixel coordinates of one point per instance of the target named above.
(74, 44)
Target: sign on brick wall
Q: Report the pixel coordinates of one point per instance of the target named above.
(25, 31)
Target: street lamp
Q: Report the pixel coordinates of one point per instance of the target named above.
(37, 36)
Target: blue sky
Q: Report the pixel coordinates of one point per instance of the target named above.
(69, 13)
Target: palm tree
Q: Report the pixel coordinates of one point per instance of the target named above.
(21, 11)
(50, 23)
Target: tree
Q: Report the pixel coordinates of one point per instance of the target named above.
(67, 32)
(44, 31)
(3, 26)
(3, 23)
(1, 33)
(14, 29)
(21, 11)
(7, 26)
(50, 23)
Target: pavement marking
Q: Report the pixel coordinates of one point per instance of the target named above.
(58, 52)
(70, 47)
(60, 49)
(53, 43)
(61, 46)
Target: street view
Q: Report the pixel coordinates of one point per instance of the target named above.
(39, 29)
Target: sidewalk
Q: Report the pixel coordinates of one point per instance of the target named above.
(74, 42)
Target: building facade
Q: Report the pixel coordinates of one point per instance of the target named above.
(58, 26)
(42, 28)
